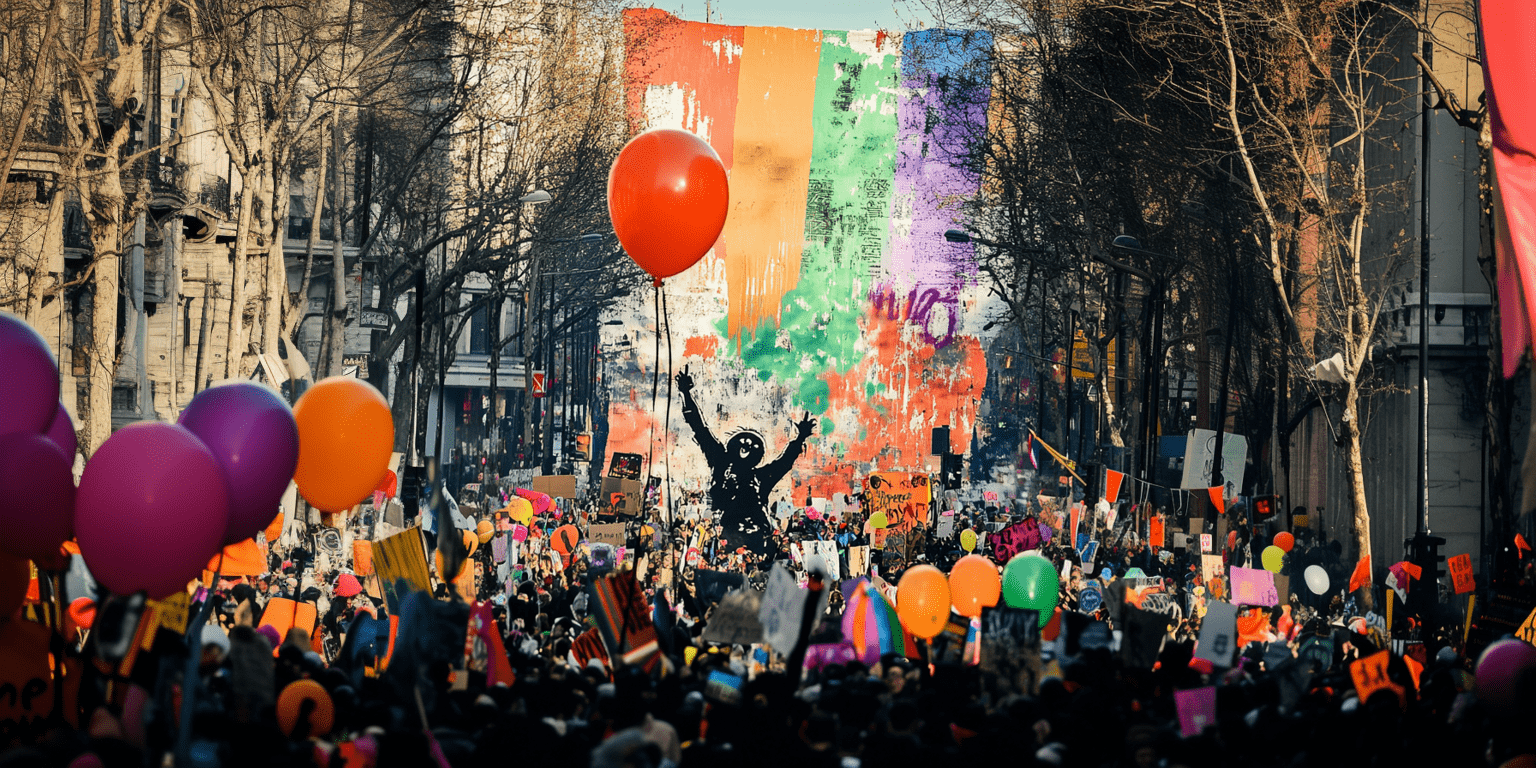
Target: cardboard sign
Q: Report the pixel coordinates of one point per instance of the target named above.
(1253, 586)
(172, 612)
(623, 497)
(556, 486)
(858, 561)
(903, 497)
(611, 534)
(735, 621)
(401, 556)
(1460, 567)
(1370, 676)
(1218, 634)
(1211, 567)
(25, 676)
(1197, 710)
(831, 561)
(284, 614)
(1205, 542)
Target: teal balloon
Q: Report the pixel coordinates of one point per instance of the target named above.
(1135, 573)
(1030, 581)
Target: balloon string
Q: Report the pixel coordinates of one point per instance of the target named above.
(650, 459)
(667, 425)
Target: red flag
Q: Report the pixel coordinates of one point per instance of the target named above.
(1217, 500)
(1362, 575)
(1508, 60)
(1112, 484)
(1520, 544)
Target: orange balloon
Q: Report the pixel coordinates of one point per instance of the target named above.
(484, 531)
(922, 601)
(1285, 540)
(292, 699)
(667, 197)
(974, 584)
(15, 577)
(275, 529)
(565, 539)
(471, 542)
(346, 435)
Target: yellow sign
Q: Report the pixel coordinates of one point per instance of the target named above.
(1082, 358)
(401, 556)
(1527, 630)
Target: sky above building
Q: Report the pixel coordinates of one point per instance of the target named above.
(808, 14)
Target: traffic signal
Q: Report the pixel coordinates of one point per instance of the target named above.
(1264, 508)
(1424, 551)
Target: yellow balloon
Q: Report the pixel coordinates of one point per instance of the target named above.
(519, 509)
(878, 521)
(968, 540)
(1273, 558)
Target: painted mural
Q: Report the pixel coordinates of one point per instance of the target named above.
(832, 291)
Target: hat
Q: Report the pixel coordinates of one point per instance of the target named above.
(213, 635)
(347, 586)
(271, 634)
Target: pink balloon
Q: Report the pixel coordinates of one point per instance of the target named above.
(1506, 673)
(38, 512)
(151, 510)
(29, 387)
(62, 433)
(519, 533)
(541, 501)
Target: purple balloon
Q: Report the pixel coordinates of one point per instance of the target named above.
(39, 509)
(151, 509)
(252, 434)
(29, 388)
(62, 433)
(1499, 670)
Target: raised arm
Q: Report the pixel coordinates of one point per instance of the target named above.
(775, 471)
(714, 452)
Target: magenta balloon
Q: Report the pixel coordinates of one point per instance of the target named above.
(151, 510)
(62, 433)
(38, 511)
(252, 434)
(1499, 670)
(29, 378)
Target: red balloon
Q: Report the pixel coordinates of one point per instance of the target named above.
(1285, 540)
(667, 198)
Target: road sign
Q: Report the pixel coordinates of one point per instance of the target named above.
(374, 319)
(539, 388)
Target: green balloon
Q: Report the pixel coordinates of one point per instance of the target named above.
(1029, 581)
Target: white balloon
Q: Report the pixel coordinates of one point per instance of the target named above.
(1317, 579)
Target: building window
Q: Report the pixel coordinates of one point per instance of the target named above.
(480, 331)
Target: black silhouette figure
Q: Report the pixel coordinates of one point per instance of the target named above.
(739, 488)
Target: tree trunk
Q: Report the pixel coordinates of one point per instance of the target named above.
(299, 308)
(234, 346)
(275, 297)
(336, 320)
(1355, 463)
(97, 416)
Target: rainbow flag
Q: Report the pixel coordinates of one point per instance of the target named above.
(870, 623)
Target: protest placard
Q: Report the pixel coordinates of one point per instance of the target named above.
(621, 496)
(1218, 634)
(1197, 710)
(1253, 586)
(611, 534)
(1527, 629)
(555, 486)
(1460, 567)
(1205, 542)
(1370, 676)
(401, 556)
(735, 621)
(858, 561)
(946, 526)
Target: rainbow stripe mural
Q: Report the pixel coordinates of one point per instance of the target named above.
(832, 289)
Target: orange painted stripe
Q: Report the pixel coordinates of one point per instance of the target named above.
(771, 171)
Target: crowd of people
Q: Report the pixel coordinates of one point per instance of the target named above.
(600, 654)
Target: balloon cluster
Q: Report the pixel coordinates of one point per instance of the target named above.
(156, 501)
(924, 598)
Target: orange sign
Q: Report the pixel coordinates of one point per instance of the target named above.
(1460, 567)
(1370, 675)
(1155, 532)
(284, 614)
